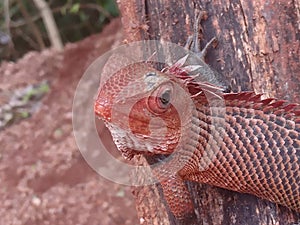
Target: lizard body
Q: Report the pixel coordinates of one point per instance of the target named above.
(236, 141)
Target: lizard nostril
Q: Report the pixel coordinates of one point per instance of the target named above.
(102, 110)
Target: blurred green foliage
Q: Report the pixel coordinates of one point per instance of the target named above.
(75, 20)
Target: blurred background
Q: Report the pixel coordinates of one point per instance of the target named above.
(45, 48)
(27, 25)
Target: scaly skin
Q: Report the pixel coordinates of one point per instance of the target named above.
(182, 119)
(234, 141)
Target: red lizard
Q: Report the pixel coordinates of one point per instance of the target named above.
(235, 141)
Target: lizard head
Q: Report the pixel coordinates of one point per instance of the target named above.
(142, 109)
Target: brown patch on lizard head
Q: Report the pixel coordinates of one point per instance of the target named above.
(140, 106)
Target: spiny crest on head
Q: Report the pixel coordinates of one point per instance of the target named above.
(195, 87)
(246, 99)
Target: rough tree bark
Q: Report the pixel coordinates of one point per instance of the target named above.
(259, 49)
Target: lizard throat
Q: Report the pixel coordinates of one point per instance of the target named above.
(130, 144)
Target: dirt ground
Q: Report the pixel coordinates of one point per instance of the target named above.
(43, 177)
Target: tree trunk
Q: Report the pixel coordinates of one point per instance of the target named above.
(259, 48)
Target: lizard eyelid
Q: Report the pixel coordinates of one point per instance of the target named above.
(151, 74)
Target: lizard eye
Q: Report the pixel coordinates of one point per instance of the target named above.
(160, 100)
(164, 98)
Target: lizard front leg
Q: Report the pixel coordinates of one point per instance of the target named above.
(175, 191)
(178, 197)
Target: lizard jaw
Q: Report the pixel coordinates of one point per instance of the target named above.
(130, 144)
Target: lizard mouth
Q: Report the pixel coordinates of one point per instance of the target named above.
(130, 144)
(101, 109)
(125, 139)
